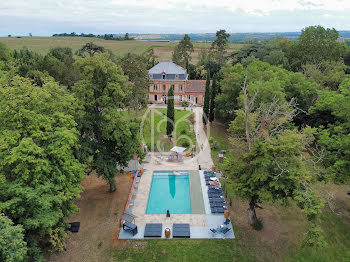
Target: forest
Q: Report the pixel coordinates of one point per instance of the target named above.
(285, 105)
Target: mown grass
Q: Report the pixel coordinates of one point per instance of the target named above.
(153, 128)
(181, 250)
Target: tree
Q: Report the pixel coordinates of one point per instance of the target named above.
(220, 45)
(182, 52)
(206, 100)
(332, 113)
(270, 162)
(277, 82)
(40, 175)
(91, 49)
(170, 113)
(135, 68)
(315, 46)
(126, 37)
(212, 100)
(13, 248)
(150, 58)
(108, 140)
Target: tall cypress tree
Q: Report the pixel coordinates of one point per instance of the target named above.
(212, 100)
(206, 100)
(170, 113)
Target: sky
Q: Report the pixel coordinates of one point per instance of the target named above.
(46, 17)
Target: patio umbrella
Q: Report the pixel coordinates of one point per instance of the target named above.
(178, 149)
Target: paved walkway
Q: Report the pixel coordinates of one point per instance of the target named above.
(204, 158)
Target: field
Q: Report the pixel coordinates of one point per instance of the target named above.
(163, 50)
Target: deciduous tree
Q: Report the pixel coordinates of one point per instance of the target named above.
(39, 173)
(108, 140)
(135, 68)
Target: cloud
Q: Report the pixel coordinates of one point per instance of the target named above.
(42, 17)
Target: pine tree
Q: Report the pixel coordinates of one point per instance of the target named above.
(170, 113)
(206, 100)
(212, 100)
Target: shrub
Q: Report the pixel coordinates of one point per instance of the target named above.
(185, 143)
(184, 104)
(183, 132)
(259, 224)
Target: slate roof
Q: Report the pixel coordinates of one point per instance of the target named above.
(167, 67)
(195, 86)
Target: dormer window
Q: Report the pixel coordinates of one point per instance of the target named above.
(163, 76)
(176, 76)
(150, 76)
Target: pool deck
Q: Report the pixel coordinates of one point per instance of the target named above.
(199, 223)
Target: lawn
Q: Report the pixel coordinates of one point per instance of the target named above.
(153, 128)
(218, 138)
(163, 50)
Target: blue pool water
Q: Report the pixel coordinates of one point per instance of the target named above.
(169, 192)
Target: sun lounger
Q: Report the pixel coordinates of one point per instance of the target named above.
(217, 210)
(222, 202)
(181, 231)
(153, 230)
(214, 196)
(213, 230)
(219, 205)
(215, 190)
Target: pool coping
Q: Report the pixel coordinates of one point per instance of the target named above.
(199, 229)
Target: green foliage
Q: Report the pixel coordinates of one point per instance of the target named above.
(170, 113)
(276, 83)
(12, 245)
(39, 173)
(108, 141)
(259, 225)
(184, 104)
(135, 68)
(91, 49)
(333, 133)
(315, 45)
(314, 237)
(212, 100)
(5, 54)
(182, 52)
(219, 46)
(268, 52)
(206, 100)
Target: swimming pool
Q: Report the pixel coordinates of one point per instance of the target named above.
(169, 192)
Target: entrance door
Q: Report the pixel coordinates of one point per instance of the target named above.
(164, 99)
(196, 100)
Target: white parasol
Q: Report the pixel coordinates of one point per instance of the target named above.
(178, 149)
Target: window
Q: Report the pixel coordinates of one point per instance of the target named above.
(164, 99)
(154, 88)
(180, 98)
(188, 98)
(164, 88)
(173, 87)
(163, 76)
(180, 88)
(155, 98)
